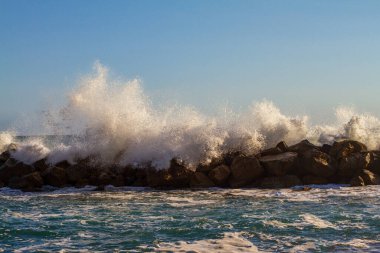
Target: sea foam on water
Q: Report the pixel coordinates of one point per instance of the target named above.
(116, 123)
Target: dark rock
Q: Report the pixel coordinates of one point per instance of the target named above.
(219, 175)
(310, 179)
(282, 146)
(200, 180)
(63, 164)
(345, 148)
(244, 170)
(317, 163)
(279, 165)
(12, 168)
(41, 165)
(271, 151)
(28, 182)
(177, 176)
(280, 182)
(55, 176)
(303, 147)
(357, 181)
(206, 168)
(374, 164)
(78, 172)
(370, 178)
(353, 164)
(326, 148)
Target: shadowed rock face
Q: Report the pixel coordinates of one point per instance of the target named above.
(244, 170)
(279, 167)
(280, 164)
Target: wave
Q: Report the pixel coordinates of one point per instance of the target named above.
(115, 122)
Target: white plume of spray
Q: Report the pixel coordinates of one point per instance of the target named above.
(116, 123)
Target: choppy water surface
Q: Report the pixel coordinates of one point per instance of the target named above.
(137, 220)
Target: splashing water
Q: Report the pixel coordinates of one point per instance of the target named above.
(116, 123)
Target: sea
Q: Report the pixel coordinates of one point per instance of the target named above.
(328, 218)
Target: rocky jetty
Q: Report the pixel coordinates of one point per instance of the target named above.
(343, 162)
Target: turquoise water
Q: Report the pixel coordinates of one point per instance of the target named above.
(338, 219)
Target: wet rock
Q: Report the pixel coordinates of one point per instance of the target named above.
(310, 179)
(326, 148)
(280, 182)
(200, 180)
(177, 176)
(219, 175)
(244, 170)
(271, 151)
(29, 182)
(317, 163)
(280, 164)
(78, 172)
(374, 164)
(41, 165)
(63, 164)
(282, 146)
(357, 181)
(353, 164)
(55, 176)
(303, 147)
(12, 168)
(206, 168)
(345, 148)
(370, 178)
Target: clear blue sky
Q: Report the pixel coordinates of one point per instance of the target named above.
(306, 56)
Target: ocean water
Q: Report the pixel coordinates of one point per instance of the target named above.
(326, 219)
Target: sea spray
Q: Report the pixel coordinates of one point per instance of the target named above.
(115, 123)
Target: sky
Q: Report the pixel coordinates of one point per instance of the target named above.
(308, 57)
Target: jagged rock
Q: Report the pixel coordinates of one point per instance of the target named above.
(55, 176)
(12, 168)
(352, 165)
(244, 170)
(357, 181)
(206, 168)
(374, 164)
(310, 179)
(28, 182)
(317, 163)
(370, 178)
(271, 151)
(177, 176)
(200, 180)
(282, 146)
(279, 165)
(41, 165)
(345, 148)
(219, 175)
(302, 147)
(280, 182)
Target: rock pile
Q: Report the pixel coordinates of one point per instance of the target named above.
(344, 162)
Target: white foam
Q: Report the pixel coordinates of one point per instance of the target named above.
(231, 242)
(316, 221)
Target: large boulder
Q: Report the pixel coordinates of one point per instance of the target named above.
(55, 176)
(29, 182)
(317, 163)
(12, 168)
(370, 178)
(280, 182)
(200, 180)
(374, 164)
(244, 170)
(345, 148)
(280, 164)
(219, 175)
(353, 164)
(80, 174)
(177, 176)
(302, 147)
(41, 165)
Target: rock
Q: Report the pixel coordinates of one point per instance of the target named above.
(280, 182)
(326, 148)
(271, 151)
(78, 172)
(244, 170)
(370, 178)
(206, 168)
(310, 179)
(41, 165)
(12, 168)
(63, 164)
(353, 164)
(357, 181)
(219, 175)
(374, 164)
(345, 148)
(55, 176)
(29, 182)
(200, 180)
(279, 165)
(317, 163)
(177, 176)
(282, 146)
(302, 147)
